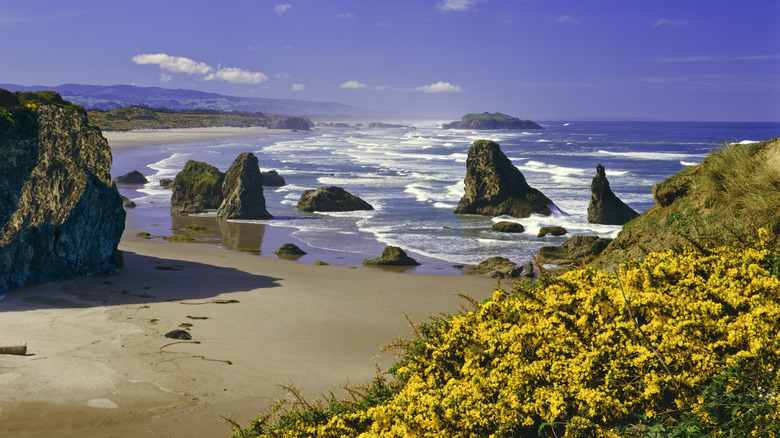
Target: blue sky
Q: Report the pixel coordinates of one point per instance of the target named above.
(537, 59)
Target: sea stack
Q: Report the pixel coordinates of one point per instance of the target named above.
(198, 187)
(331, 198)
(242, 190)
(60, 214)
(605, 207)
(495, 187)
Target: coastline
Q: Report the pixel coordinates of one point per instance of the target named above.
(97, 358)
(121, 140)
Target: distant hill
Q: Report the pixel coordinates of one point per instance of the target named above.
(107, 97)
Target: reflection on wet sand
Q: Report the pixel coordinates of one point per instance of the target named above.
(212, 229)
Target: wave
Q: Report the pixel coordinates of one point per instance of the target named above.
(660, 156)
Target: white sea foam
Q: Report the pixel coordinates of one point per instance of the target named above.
(662, 156)
(689, 163)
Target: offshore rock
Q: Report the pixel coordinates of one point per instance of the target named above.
(297, 123)
(134, 177)
(575, 250)
(605, 207)
(198, 187)
(242, 190)
(392, 256)
(60, 215)
(552, 231)
(508, 227)
(495, 187)
(491, 121)
(331, 198)
(272, 179)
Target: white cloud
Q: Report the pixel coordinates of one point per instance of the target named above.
(236, 76)
(456, 5)
(353, 84)
(668, 22)
(568, 19)
(439, 87)
(298, 87)
(178, 64)
(281, 9)
(174, 64)
(282, 76)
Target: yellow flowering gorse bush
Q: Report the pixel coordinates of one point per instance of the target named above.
(565, 356)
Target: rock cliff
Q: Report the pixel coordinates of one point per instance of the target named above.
(605, 207)
(491, 121)
(242, 190)
(495, 187)
(60, 215)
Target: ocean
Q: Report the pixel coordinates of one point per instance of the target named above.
(413, 177)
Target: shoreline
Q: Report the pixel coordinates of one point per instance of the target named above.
(97, 358)
(123, 140)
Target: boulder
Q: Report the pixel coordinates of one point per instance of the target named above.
(552, 231)
(508, 227)
(495, 187)
(289, 249)
(499, 267)
(272, 179)
(491, 121)
(392, 256)
(60, 215)
(575, 250)
(198, 187)
(605, 207)
(8, 99)
(127, 203)
(297, 123)
(330, 198)
(166, 183)
(134, 177)
(242, 190)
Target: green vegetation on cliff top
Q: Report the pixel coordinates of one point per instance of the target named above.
(144, 117)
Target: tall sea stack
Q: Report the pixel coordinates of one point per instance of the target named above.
(495, 187)
(605, 207)
(60, 215)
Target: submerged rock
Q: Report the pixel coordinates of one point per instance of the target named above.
(605, 207)
(331, 198)
(134, 177)
(392, 256)
(495, 187)
(242, 190)
(198, 187)
(575, 250)
(60, 215)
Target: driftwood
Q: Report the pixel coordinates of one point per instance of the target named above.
(17, 349)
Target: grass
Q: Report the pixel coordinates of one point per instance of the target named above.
(145, 117)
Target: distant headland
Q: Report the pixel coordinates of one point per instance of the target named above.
(491, 121)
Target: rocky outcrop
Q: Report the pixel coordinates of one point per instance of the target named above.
(331, 198)
(166, 183)
(551, 231)
(134, 177)
(198, 187)
(272, 179)
(297, 123)
(242, 190)
(508, 227)
(385, 125)
(392, 256)
(500, 267)
(491, 121)
(495, 187)
(575, 250)
(290, 250)
(60, 215)
(605, 207)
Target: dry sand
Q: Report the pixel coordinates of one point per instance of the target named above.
(150, 137)
(99, 365)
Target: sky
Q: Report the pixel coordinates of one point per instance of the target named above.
(708, 60)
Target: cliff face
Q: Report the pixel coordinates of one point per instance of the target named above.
(61, 216)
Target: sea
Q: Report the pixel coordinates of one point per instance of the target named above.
(413, 177)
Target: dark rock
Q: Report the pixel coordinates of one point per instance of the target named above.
(508, 227)
(127, 203)
(119, 259)
(134, 177)
(272, 179)
(575, 250)
(242, 190)
(166, 183)
(384, 125)
(341, 125)
(298, 123)
(179, 334)
(60, 215)
(331, 198)
(392, 256)
(498, 267)
(289, 249)
(495, 187)
(491, 121)
(552, 231)
(605, 207)
(197, 187)
(8, 99)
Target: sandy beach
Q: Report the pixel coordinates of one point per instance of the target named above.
(119, 140)
(98, 363)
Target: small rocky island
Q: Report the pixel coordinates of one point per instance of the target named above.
(491, 121)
